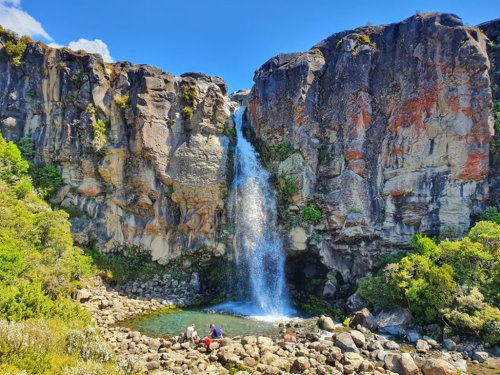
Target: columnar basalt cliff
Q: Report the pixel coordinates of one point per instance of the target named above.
(385, 129)
(492, 30)
(141, 151)
(392, 125)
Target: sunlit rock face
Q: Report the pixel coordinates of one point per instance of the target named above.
(394, 122)
(155, 178)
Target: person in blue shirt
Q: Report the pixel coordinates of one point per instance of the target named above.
(215, 332)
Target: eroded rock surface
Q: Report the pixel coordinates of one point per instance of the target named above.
(394, 122)
(141, 151)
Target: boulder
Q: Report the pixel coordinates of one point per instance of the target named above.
(355, 302)
(365, 319)
(263, 341)
(449, 345)
(83, 295)
(433, 366)
(422, 346)
(326, 323)
(394, 321)
(300, 364)
(345, 342)
(329, 290)
(358, 338)
(480, 356)
(391, 345)
(401, 364)
(353, 359)
(413, 336)
(298, 239)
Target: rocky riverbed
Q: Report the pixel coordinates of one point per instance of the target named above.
(329, 350)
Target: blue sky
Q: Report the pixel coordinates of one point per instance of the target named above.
(230, 39)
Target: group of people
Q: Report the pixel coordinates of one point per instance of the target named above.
(191, 334)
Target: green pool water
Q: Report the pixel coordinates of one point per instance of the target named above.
(174, 322)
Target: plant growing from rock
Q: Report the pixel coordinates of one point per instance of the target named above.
(311, 215)
(123, 102)
(100, 134)
(282, 150)
(287, 186)
(187, 113)
(15, 48)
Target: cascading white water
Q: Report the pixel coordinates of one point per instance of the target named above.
(259, 248)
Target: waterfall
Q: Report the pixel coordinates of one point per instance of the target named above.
(258, 245)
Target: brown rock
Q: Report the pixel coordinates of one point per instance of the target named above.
(434, 366)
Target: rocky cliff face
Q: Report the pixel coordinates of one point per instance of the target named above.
(141, 151)
(392, 124)
(492, 30)
(385, 129)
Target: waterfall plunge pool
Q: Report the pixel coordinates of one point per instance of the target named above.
(173, 322)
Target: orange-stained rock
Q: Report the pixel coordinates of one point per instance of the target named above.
(476, 167)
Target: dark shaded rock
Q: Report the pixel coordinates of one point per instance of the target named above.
(345, 342)
(364, 318)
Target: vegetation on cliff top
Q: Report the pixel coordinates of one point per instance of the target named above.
(455, 282)
(13, 46)
(40, 326)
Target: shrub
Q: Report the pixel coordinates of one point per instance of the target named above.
(121, 268)
(15, 48)
(100, 135)
(47, 180)
(189, 93)
(372, 288)
(491, 214)
(423, 245)
(12, 163)
(458, 281)
(228, 131)
(282, 150)
(310, 214)
(287, 186)
(496, 115)
(488, 234)
(365, 39)
(123, 102)
(79, 78)
(187, 113)
(27, 147)
(88, 345)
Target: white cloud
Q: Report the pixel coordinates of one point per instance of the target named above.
(12, 17)
(92, 46)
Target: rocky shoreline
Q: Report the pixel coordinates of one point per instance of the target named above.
(330, 350)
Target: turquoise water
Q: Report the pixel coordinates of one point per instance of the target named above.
(174, 323)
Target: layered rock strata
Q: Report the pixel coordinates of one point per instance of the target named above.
(142, 152)
(392, 124)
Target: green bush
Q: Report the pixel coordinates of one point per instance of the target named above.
(282, 150)
(39, 270)
(27, 147)
(491, 214)
(189, 93)
(47, 180)
(100, 134)
(124, 267)
(454, 281)
(187, 113)
(15, 48)
(287, 186)
(496, 116)
(310, 214)
(123, 102)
